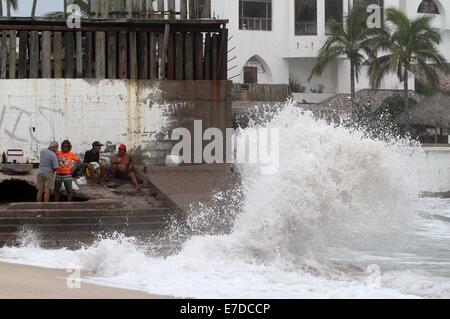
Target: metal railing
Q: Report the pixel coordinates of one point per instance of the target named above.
(306, 28)
(261, 24)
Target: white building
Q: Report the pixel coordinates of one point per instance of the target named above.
(278, 39)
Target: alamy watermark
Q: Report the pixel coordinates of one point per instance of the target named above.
(74, 16)
(250, 146)
(73, 281)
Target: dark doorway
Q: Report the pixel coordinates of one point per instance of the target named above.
(250, 74)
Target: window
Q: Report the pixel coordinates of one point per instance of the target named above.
(250, 74)
(204, 9)
(333, 12)
(305, 17)
(428, 6)
(255, 15)
(366, 3)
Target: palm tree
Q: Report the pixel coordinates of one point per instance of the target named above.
(9, 4)
(350, 39)
(404, 43)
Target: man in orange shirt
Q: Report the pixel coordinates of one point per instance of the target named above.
(68, 162)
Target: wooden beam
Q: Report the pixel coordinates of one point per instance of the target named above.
(46, 54)
(153, 60)
(79, 54)
(188, 56)
(58, 54)
(163, 51)
(192, 9)
(179, 56)
(100, 70)
(171, 57)
(34, 55)
(143, 59)
(23, 39)
(69, 53)
(208, 55)
(89, 55)
(123, 55)
(3, 54)
(112, 55)
(198, 54)
(12, 54)
(214, 57)
(133, 55)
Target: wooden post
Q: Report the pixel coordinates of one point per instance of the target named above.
(207, 67)
(34, 54)
(89, 55)
(57, 55)
(163, 51)
(198, 44)
(12, 54)
(3, 54)
(214, 57)
(223, 55)
(183, 9)
(79, 54)
(152, 56)
(46, 54)
(100, 71)
(179, 56)
(112, 55)
(143, 58)
(123, 55)
(23, 39)
(133, 55)
(171, 57)
(189, 56)
(69, 50)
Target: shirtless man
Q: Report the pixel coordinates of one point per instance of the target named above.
(122, 167)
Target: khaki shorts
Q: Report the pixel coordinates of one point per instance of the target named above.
(45, 181)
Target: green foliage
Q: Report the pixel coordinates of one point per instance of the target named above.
(425, 89)
(296, 87)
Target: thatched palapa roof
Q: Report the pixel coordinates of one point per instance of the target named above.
(433, 111)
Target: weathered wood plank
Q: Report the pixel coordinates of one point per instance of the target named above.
(143, 59)
(183, 9)
(198, 54)
(223, 55)
(214, 56)
(171, 57)
(23, 39)
(208, 54)
(34, 54)
(79, 54)
(153, 61)
(100, 67)
(192, 9)
(12, 54)
(89, 55)
(46, 56)
(163, 51)
(58, 54)
(112, 55)
(69, 54)
(3, 54)
(179, 56)
(188, 56)
(133, 55)
(123, 55)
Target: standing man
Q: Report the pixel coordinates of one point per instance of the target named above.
(92, 163)
(68, 162)
(122, 167)
(48, 163)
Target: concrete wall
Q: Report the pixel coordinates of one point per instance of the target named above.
(140, 114)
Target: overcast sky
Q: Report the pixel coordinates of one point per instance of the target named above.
(43, 6)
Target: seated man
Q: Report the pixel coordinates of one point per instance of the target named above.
(91, 161)
(122, 167)
(68, 162)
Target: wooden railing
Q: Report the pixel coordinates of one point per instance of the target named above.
(113, 49)
(262, 24)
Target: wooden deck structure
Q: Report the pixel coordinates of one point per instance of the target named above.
(164, 49)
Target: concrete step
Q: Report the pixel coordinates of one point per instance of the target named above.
(64, 205)
(8, 221)
(50, 228)
(83, 212)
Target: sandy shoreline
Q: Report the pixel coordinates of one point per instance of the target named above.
(29, 282)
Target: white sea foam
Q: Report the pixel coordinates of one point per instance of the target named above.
(338, 204)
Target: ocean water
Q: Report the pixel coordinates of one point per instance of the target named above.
(341, 218)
